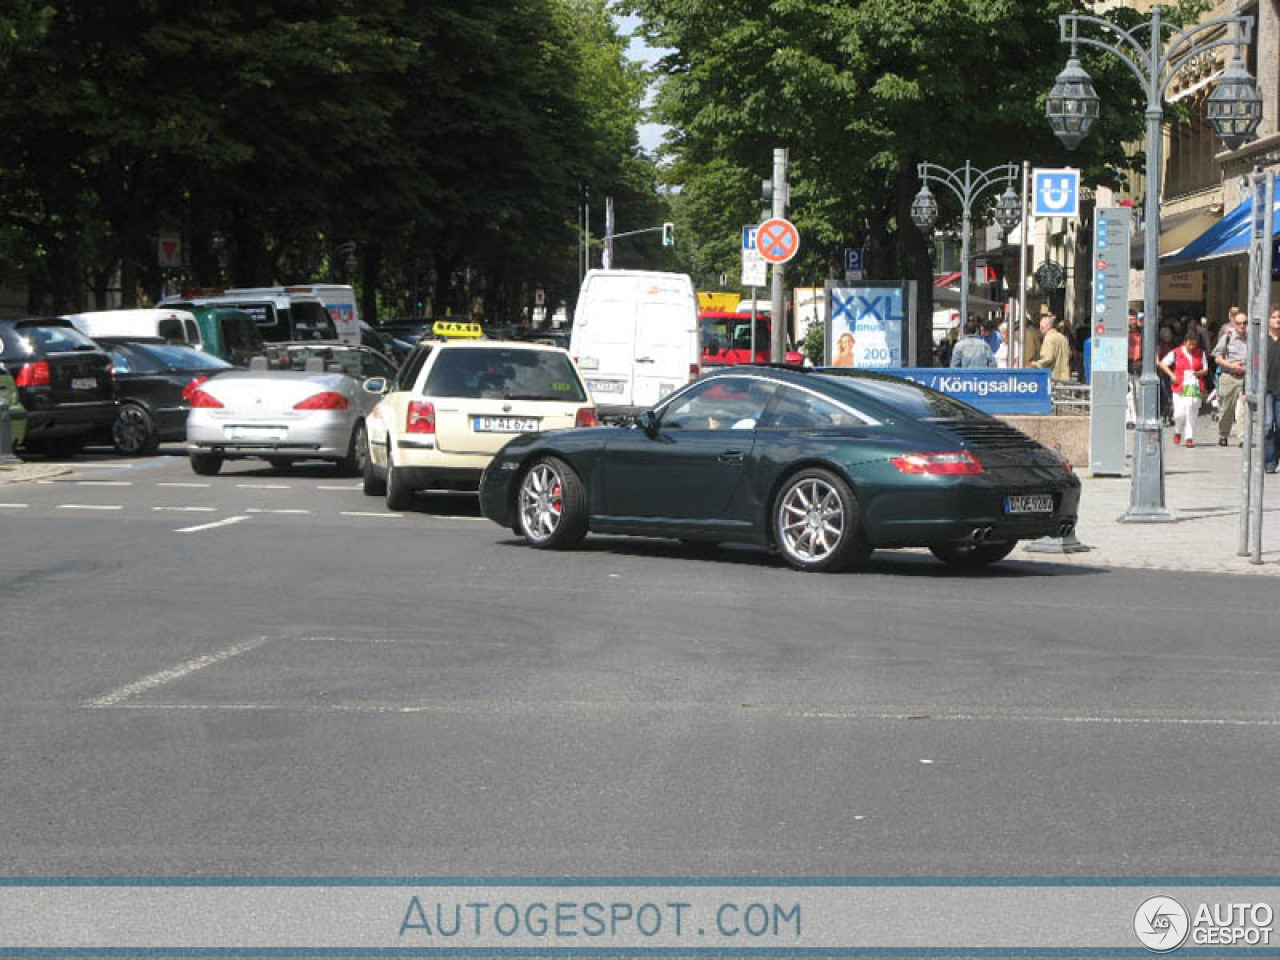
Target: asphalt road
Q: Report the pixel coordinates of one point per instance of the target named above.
(320, 688)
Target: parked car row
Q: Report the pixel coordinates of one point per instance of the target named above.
(124, 377)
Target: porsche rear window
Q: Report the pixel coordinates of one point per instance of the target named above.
(505, 374)
(906, 397)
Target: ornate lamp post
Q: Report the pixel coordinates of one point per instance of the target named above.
(967, 184)
(1234, 109)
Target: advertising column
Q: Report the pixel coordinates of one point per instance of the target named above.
(1109, 341)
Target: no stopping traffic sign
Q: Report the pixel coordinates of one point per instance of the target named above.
(777, 240)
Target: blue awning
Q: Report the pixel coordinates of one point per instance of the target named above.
(1227, 238)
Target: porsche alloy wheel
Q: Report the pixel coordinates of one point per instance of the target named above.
(551, 505)
(817, 524)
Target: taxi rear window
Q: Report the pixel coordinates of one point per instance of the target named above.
(505, 374)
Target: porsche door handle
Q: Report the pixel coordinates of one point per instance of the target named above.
(731, 456)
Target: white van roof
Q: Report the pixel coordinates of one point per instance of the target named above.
(140, 322)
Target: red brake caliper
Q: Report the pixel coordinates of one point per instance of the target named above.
(555, 499)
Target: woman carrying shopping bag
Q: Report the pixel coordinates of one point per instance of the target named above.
(1185, 367)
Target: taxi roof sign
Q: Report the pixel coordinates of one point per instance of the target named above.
(455, 328)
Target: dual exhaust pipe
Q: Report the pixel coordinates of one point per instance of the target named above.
(981, 534)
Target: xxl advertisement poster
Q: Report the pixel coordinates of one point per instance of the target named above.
(867, 327)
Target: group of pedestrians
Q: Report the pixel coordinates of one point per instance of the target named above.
(1187, 369)
(982, 344)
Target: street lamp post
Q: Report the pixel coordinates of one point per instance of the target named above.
(967, 184)
(1234, 109)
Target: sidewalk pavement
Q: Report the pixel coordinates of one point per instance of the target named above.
(22, 471)
(1202, 491)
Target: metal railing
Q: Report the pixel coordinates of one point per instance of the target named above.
(1072, 399)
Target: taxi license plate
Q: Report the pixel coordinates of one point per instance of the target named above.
(84, 383)
(255, 433)
(606, 386)
(504, 424)
(1029, 503)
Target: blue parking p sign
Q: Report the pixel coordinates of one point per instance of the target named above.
(1055, 193)
(852, 259)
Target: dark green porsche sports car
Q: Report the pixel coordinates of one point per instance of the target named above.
(823, 467)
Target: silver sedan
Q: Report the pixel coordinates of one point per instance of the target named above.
(316, 413)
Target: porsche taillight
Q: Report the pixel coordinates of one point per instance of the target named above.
(421, 417)
(948, 463)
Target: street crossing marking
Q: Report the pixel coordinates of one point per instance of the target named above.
(268, 510)
(188, 509)
(160, 678)
(90, 506)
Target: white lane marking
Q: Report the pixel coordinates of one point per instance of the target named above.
(90, 506)
(558, 707)
(263, 486)
(327, 487)
(160, 678)
(210, 526)
(188, 509)
(268, 510)
(171, 484)
(103, 483)
(14, 506)
(358, 513)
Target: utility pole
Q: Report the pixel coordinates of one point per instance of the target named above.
(778, 323)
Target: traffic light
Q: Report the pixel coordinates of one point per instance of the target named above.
(668, 234)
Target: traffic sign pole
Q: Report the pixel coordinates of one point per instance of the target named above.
(778, 320)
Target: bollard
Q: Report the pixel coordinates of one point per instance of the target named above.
(6, 431)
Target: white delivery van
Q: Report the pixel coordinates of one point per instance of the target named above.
(635, 337)
(167, 323)
(337, 299)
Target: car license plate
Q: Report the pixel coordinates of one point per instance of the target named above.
(1029, 503)
(504, 424)
(606, 386)
(84, 383)
(255, 433)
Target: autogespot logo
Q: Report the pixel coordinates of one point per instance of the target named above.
(1161, 924)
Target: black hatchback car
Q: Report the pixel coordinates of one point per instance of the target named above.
(63, 379)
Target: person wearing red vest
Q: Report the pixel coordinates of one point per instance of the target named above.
(1185, 367)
